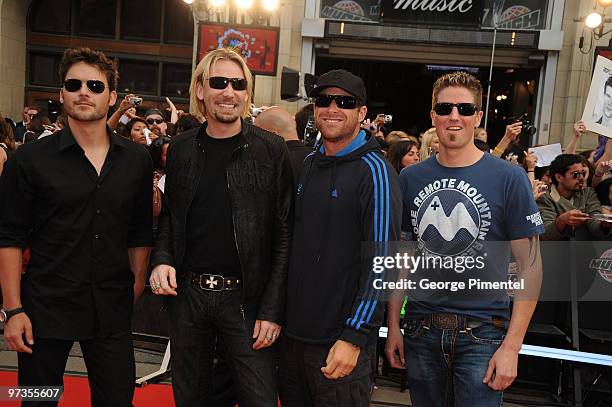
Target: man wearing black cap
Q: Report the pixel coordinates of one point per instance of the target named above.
(347, 194)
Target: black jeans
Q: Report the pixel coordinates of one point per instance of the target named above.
(196, 317)
(302, 384)
(110, 368)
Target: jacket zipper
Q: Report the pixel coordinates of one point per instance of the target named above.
(229, 191)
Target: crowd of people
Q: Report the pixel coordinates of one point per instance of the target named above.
(256, 225)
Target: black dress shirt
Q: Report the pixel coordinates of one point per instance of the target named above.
(78, 226)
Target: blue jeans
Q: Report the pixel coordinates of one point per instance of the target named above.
(196, 317)
(445, 367)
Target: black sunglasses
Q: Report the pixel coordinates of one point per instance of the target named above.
(221, 82)
(576, 174)
(464, 109)
(152, 121)
(342, 101)
(73, 85)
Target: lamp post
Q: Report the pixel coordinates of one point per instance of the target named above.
(498, 5)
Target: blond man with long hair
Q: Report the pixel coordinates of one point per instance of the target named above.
(224, 233)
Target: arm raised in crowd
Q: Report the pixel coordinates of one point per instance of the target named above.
(123, 108)
(579, 129)
(512, 132)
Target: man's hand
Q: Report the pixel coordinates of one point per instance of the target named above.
(341, 360)
(266, 333)
(394, 348)
(125, 103)
(513, 130)
(574, 217)
(163, 280)
(14, 331)
(579, 128)
(531, 160)
(502, 369)
(538, 189)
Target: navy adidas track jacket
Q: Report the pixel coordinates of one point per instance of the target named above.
(342, 202)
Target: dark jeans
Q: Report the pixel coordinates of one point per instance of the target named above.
(196, 318)
(110, 368)
(445, 367)
(303, 384)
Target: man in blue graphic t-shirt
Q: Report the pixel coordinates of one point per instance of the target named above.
(468, 211)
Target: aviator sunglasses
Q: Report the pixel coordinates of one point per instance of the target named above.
(73, 85)
(576, 174)
(342, 101)
(221, 82)
(464, 109)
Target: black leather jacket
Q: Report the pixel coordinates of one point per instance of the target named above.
(260, 183)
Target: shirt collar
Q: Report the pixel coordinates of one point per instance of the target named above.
(357, 142)
(67, 140)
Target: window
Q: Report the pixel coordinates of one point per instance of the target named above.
(44, 69)
(96, 17)
(138, 77)
(50, 16)
(178, 23)
(141, 20)
(176, 79)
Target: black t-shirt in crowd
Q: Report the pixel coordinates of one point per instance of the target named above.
(211, 246)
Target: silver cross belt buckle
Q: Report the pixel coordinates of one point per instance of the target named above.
(212, 282)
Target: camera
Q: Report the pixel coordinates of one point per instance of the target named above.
(135, 100)
(311, 133)
(527, 127)
(387, 118)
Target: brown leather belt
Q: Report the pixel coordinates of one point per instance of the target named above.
(453, 321)
(212, 282)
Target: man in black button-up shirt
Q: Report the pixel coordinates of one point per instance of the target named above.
(82, 201)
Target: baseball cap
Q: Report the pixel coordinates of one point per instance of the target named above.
(340, 78)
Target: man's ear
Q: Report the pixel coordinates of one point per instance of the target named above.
(113, 98)
(363, 111)
(61, 95)
(480, 113)
(559, 178)
(200, 91)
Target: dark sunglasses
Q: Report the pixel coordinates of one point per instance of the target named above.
(464, 109)
(576, 174)
(221, 82)
(152, 121)
(342, 101)
(73, 85)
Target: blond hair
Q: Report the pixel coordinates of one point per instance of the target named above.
(198, 108)
(426, 142)
(461, 80)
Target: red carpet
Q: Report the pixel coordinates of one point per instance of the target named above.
(76, 393)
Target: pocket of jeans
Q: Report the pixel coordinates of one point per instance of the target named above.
(413, 329)
(487, 334)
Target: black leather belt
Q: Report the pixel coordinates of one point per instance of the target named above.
(212, 282)
(453, 321)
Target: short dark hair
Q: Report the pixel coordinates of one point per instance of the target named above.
(561, 164)
(608, 83)
(127, 130)
(91, 57)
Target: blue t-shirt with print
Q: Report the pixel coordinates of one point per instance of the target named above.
(467, 212)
